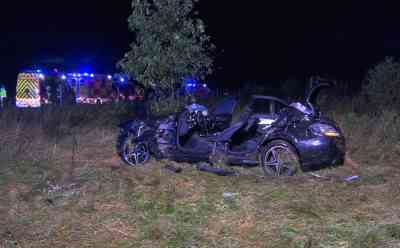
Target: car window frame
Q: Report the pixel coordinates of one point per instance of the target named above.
(272, 104)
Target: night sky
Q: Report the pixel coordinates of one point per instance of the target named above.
(256, 41)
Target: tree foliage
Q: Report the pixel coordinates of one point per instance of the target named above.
(170, 43)
(382, 86)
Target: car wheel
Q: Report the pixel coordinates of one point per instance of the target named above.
(132, 152)
(279, 158)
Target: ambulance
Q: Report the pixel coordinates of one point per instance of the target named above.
(28, 90)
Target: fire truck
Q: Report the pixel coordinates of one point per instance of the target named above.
(35, 88)
(91, 88)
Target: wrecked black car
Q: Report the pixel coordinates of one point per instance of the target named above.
(280, 137)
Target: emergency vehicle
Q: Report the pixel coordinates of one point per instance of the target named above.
(35, 88)
(196, 88)
(28, 90)
(92, 88)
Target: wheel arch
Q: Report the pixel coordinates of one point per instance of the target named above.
(145, 139)
(141, 131)
(134, 126)
(265, 142)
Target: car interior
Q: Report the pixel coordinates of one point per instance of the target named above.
(239, 134)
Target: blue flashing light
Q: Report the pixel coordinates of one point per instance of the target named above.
(63, 77)
(86, 74)
(109, 77)
(92, 75)
(41, 76)
(39, 71)
(204, 85)
(190, 82)
(74, 74)
(122, 80)
(79, 75)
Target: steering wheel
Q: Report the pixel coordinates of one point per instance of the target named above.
(204, 122)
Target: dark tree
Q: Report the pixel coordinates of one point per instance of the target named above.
(170, 43)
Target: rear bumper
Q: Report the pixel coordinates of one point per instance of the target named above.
(320, 152)
(28, 103)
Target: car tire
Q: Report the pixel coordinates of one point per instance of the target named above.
(131, 151)
(279, 158)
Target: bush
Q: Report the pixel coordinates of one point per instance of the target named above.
(371, 138)
(382, 88)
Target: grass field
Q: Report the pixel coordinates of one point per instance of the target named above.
(62, 185)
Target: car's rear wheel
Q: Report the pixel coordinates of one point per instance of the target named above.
(279, 158)
(133, 152)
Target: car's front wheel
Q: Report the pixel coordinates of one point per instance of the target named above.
(279, 158)
(131, 151)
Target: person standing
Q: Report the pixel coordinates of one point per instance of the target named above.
(3, 95)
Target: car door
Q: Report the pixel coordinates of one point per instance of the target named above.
(265, 110)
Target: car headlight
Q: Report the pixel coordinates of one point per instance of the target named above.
(324, 130)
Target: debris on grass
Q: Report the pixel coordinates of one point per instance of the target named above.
(60, 194)
(228, 195)
(348, 179)
(173, 168)
(217, 171)
(351, 178)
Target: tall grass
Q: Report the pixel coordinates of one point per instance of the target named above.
(33, 140)
(372, 138)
